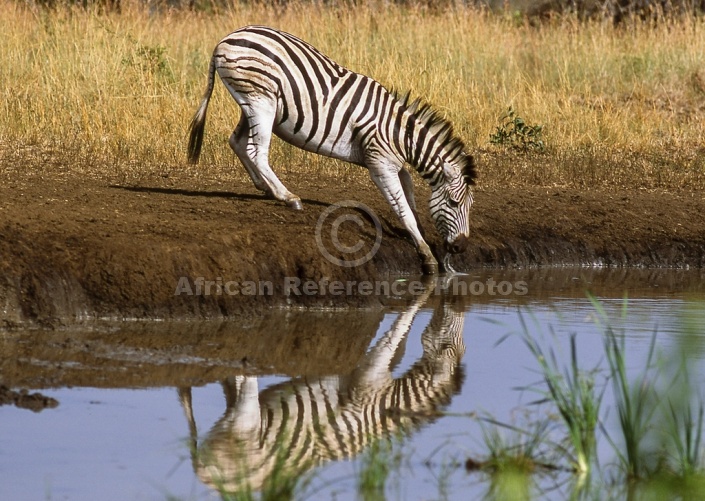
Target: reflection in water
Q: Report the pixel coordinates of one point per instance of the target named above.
(304, 422)
(25, 400)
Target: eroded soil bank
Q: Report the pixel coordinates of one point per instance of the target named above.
(75, 248)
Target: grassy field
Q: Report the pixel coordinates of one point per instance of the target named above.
(114, 93)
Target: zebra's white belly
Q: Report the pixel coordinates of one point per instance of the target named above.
(341, 148)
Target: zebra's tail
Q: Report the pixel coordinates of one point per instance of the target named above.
(198, 124)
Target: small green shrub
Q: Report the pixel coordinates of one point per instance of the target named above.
(514, 132)
(150, 59)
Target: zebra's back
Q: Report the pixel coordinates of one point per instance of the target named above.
(320, 106)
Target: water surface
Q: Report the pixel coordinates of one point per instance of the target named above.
(181, 410)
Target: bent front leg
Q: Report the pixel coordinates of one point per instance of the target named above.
(391, 187)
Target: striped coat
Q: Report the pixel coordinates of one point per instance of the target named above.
(287, 87)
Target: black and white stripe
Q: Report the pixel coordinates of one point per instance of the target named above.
(305, 422)
(287, 87)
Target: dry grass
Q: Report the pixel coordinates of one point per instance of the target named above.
(114, 93)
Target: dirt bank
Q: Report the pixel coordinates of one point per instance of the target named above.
(74, 247)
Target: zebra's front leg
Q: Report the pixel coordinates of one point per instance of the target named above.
(250, 142)
(408, 186)
(390, 185)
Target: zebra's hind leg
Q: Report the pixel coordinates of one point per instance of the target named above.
(241, 129)
(187, 404)
(242, 401)
(250, 141)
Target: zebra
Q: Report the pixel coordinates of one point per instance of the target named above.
(296, 425)
(287, 87)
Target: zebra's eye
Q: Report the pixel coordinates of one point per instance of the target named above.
(453, 203)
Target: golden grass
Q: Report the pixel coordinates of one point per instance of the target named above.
(115, 93)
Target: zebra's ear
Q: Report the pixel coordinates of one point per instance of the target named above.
(466, 169)
(450, 171)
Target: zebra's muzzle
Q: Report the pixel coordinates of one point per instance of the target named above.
(458, 245)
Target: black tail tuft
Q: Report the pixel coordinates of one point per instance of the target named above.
(198, 124)
(195, 142)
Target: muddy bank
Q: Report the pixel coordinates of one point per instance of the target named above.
(73, 248)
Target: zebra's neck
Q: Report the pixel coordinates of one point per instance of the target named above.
(429, 138)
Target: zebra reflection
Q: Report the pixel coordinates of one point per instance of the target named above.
(304, 422)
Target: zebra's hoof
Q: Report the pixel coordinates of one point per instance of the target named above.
(429, 268)
(295, 204)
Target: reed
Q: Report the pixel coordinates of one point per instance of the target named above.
(572, 390)
(636, 404)
(376, 465)
(514, 455)
(106, 93)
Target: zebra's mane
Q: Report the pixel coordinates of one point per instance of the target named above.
(438, 126)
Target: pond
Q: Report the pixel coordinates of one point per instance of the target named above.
(324, 400)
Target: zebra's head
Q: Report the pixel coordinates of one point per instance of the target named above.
(451, 199)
